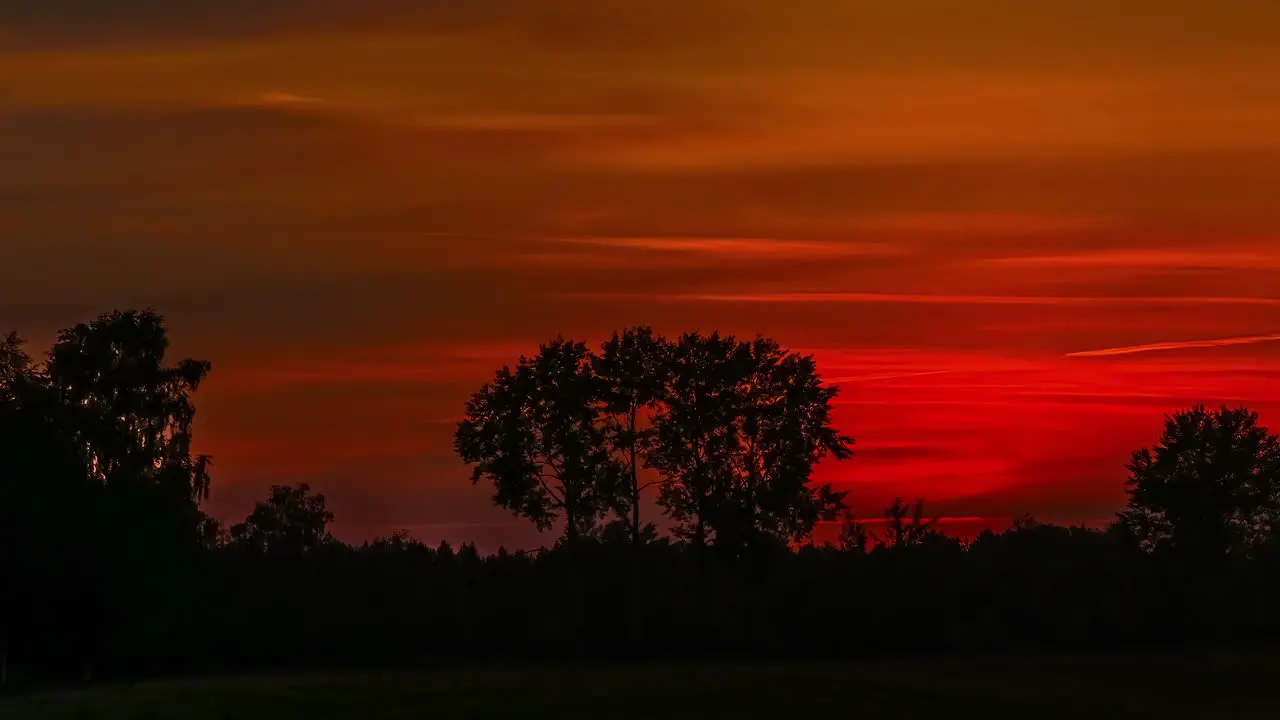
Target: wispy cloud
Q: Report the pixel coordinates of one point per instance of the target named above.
(1185, 345)
(967, 224)
(762, 248)
(537, 121)
(888, 376)
(921, 299)
(1171, 259)
(285, 98)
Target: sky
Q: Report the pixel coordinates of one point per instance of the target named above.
(1015, 233)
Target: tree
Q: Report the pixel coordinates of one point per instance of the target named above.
(907, 530)
(15, 366)
(695, 434)
(290, 522)
(535, 433)
(742, 426)
(29, 486)
(633, 368)
(785, 430)
(135, 413)
(1209, 488)
(98, 472)
(854, 536)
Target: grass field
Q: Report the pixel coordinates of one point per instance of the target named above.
(1076, 687)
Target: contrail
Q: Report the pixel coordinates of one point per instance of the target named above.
(1156, 347)
(862, 378)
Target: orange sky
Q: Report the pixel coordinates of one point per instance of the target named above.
(357, 210)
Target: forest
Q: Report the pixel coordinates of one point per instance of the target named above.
(111, 569)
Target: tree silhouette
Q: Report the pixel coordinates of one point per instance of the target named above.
(39, 490)
(696, 433)
(535, 433)
(742, 426)
(98, 472)
(906, 526)
(633, 368)
(785, 430)
(854, 536)
(290, 522)
(135, 413)
(1209, 488)
(15, 365)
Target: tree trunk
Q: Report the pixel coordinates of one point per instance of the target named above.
(635, 502)
(635, 479)
(574, 624)
(570, 526)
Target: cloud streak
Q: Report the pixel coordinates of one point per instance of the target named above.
(756, 248)
(1185, 345)
(924, 299)
(1153, 258)
(890, 376)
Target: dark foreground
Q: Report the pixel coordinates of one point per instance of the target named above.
(1066, 687)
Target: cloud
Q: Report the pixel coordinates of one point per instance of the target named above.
(919, 299)
(546, 121)
(742, 248)
(284, 98)
(1146, 258)
(848, 379)
(1184, 345)
(969, 224)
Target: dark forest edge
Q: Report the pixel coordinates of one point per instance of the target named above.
(112, 570)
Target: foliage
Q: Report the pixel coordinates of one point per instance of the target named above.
(99, 490)
(15, 366)
(906, 530)
(290, 522)
(1209, 488)
(535, 433)
(633, 368)
(733, 430)
(738, 433)
(134, 412)
(696, 433)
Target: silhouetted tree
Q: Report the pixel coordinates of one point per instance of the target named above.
(854, 536)
(1209, 488)
(97, 452)
(535, 433)
(19, 552)
(15, 365)
(290, 522)
(742, 427)
(131, 415)
(633, 367)
(696, 432)
(785, 430)
(906, 526)
(135, 412)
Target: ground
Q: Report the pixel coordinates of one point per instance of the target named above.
(1169, 687)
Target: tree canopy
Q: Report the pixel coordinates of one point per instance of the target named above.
(1210, 487)
(290, 522)
(732, 429)
(536, 434)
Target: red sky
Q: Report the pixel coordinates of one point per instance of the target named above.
(358, 210)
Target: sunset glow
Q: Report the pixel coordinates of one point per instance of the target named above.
(1015, 235)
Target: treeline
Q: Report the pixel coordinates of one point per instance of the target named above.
(109, 567)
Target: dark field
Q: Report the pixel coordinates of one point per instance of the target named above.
(1074, 687)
